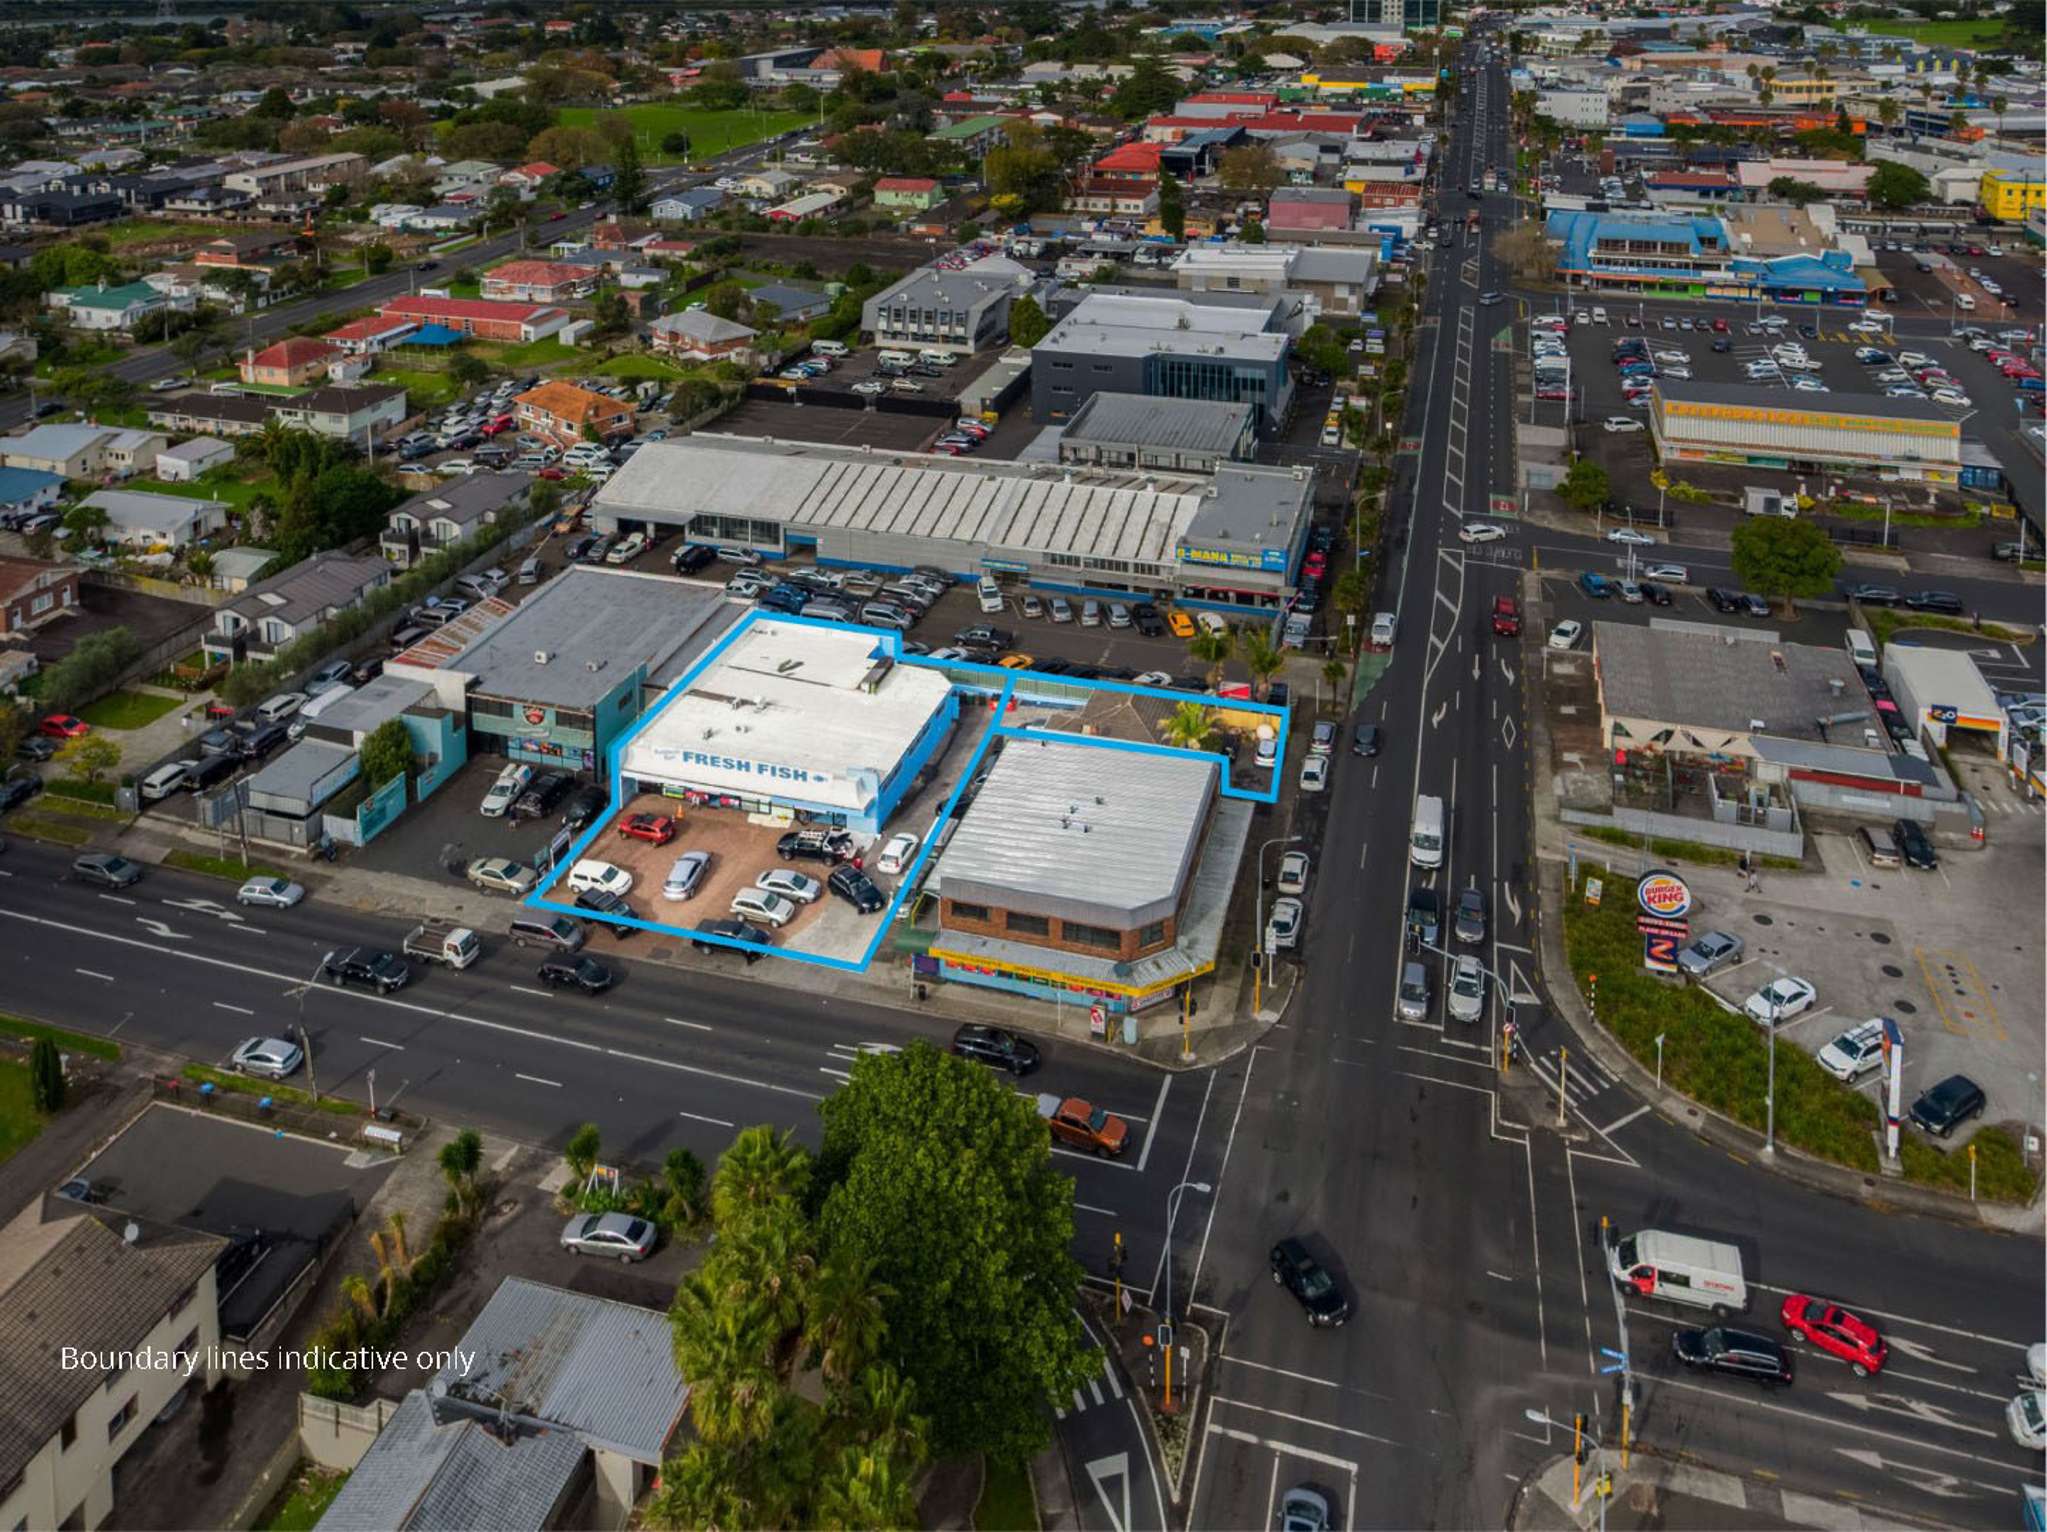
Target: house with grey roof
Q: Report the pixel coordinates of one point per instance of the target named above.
(117, 1287)
(138, 519)
(69, 451)
(793, 305)
(965, 309)
(270, 614)
(688, 206)
(556, 1409)
(449, 513)
(700, 335)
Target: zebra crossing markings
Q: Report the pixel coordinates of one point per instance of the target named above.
(1583, 1082)
(1084, 1401)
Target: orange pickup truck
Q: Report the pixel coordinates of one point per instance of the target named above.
(1080, 1126)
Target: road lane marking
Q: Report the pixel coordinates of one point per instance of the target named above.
(537, 1080)
(696, 1026)
(117, 899)
(239, 1010)
(1158, 1112)
(1301, 1377)
(716, 1122)
(1807, 1418)
(709, 1074)
(90, 974)
(1614, 1127)
(520, 989)
(1307, 1420)
(378, 1042)
(1907, 1319)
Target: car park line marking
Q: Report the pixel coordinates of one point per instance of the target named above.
(696, 1026)
(521, 989)
(90, 974)
(538, 1080)
(239, 1010)
(716, 1122)
(1907, 1319)
(1308, 1420)
(378, 1042)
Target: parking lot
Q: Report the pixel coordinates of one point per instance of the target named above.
(942, 383)
(883, 430)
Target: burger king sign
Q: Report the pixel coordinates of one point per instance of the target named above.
(1663, 895)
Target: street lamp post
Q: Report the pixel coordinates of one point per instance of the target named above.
(1166, 1310)
(1264, 952)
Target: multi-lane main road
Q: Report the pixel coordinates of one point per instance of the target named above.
(1463, 1224)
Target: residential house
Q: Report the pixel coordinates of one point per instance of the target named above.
(369, 337)
(562, 411)
(350, 412)
(1115, 196)
(793, 305)
(246, 250)
(129, 452)
(59, 209)
(698, 335)
(233, 287)
(122, 1289)
(139, 519)
(563, 1404)
(688, 206)
(68, 451)
(267, 616)
(314, 173)
(193, 459)
(100, 307)
(450, 513)
(465, 180)
(972, 135)
(813, 204)
(1309, 210)
(479, 317)
(528, 179)
(767, 186)
(23, 490)
(215, 414)
(33, 592)
(907, 193)
(446, 218)
(537, 282)
(298, 361)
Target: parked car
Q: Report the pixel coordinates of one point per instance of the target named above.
(511, 781)
(996, 1046)
(655, 829)
(898, 854)
(541, 795)
(1293, 873)
(1780, 1000)
(815, 846)
(857, 889)
(502, 875)
(274, 1058)
(621, 1236)
(575, 970)
(1942, 1108)
(1708, 953)
(1914, 845)
(590, 872)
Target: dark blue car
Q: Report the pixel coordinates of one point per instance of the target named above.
(1597, 586)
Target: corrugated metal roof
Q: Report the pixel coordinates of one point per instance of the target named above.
(1731, 681)
(1185, 425)
(606, 1370)
(426, 1476)
(1081, 830)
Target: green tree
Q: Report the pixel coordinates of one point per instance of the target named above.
(46, 1076)
(461, 1162)
(685, 1190)
(1261, 656)
(675, 145)
(468, 370)
(629, 178)
(1586, 486)
(1893, 186)
(582, 1151)
(762, 1172)
(89, 757)
(1028, 323)
(1172, 206)
(1252, 232)
(1798, 193)
(863, 1490)
(1213, 649)
(377, 257)
(386, 753)
(1773, 556)
(1249, 168)
(94, 665)
(83, 525)
(977, 1248)
(1188, 726)
(15, 723)
(1148, 89)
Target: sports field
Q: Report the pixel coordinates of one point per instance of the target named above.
(709, 132)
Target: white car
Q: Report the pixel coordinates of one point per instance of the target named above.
(2026, 1418)
(1681, 358)
(797, 887)
(1867, 327)
(272, 893)
(1482, 531)
(603, 877)
(455, 465)
(630, 547)
(1951, 396)
(1565, 634)
(273, 1057)
(1780, 1000)
(1631, 536)
(1855, 1052)
(1676, 574)
(1283, 926)
(771, 910)
(1314, 773)
(870, 388)
(901, 850)
(1148, 678)
(1467, 989)
(1619, 423)
(511, 782)
(1293, 873)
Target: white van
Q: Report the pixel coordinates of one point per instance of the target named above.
(282, 706)
(164, 781)
(990, 594)
(1965, 303)
(1210, 623)
(896, 358)
(1860, 650)
(308, 715)
(942, 358)
(1681, 1268)
(830, 348)
(1425, 840)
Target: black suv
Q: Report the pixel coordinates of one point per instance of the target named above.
(574, 971)
(1942, 1108)
(1725, 602)
(732, 930)
(382, 971)
(984, 636)
(16, 791)
(992, 1045)
(587, 803)
(1425, 915)
(1735, 1353)
(857, 889)
(1302, 1275)
(691, 557)
(1913, 844)
(1148, 621)
(815, 846)
(1935, 601)
(542, 794)
(602, 901)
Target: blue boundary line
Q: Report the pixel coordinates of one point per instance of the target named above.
(891, 642)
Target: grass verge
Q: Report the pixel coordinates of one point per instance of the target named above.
(76, 804)
(219, 866)
(242, 1085)
(128, 710)
(70, 1042)
(1884, 621)
(1721, 1061)
(62, 832)
(1006, 1504)
(20, 1122)
(301, 1504)
(1679, 850)
(83, 792)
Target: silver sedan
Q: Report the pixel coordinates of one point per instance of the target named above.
(276, 893)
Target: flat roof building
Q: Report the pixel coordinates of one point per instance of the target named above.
(965, 308)
(1131, 431)
(1733, 423)
(1056, 528)
(1171, 345)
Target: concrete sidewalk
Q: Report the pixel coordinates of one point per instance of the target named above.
(1657, 1495)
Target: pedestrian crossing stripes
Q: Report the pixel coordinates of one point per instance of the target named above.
(2011, 806)
(1583, 1080)
(1094, 1393)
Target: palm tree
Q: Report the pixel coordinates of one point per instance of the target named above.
(700, 1493)
(725, 1354)
(1888, 112)
(1999, 104)
(760, 1169)
(1261, 656)
(687, 1188)
(1188, 726)
(1213, 649)
(460, 1160)
(768, 1272)
(1335, 672)
(845, 1323)
(862, 1492)
(883, 1404)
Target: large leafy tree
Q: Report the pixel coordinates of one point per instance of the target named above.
(1149, 88)
(1892, 185)
(940, 1178)
(1773, 556)
(1028, 323)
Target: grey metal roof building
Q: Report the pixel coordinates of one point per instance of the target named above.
(1070, 830)
(1703, 688)
(1137, 432)
(423, 1474)
(1733, 423)
(966, 308)
(1172, 345)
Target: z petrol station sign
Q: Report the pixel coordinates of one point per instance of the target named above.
(1663, 901)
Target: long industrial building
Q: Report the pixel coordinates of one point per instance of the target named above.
(1732, 423)
(1231, 541)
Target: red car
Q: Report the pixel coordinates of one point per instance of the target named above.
(1835, 1331)
(1719, 327)
(551, 472)
(657, 828)
(64, 726)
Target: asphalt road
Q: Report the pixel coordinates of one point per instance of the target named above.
(1464, 1227)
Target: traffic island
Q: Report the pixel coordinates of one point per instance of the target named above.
(1171, 1414)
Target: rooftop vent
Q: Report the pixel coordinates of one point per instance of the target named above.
(541, 656)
